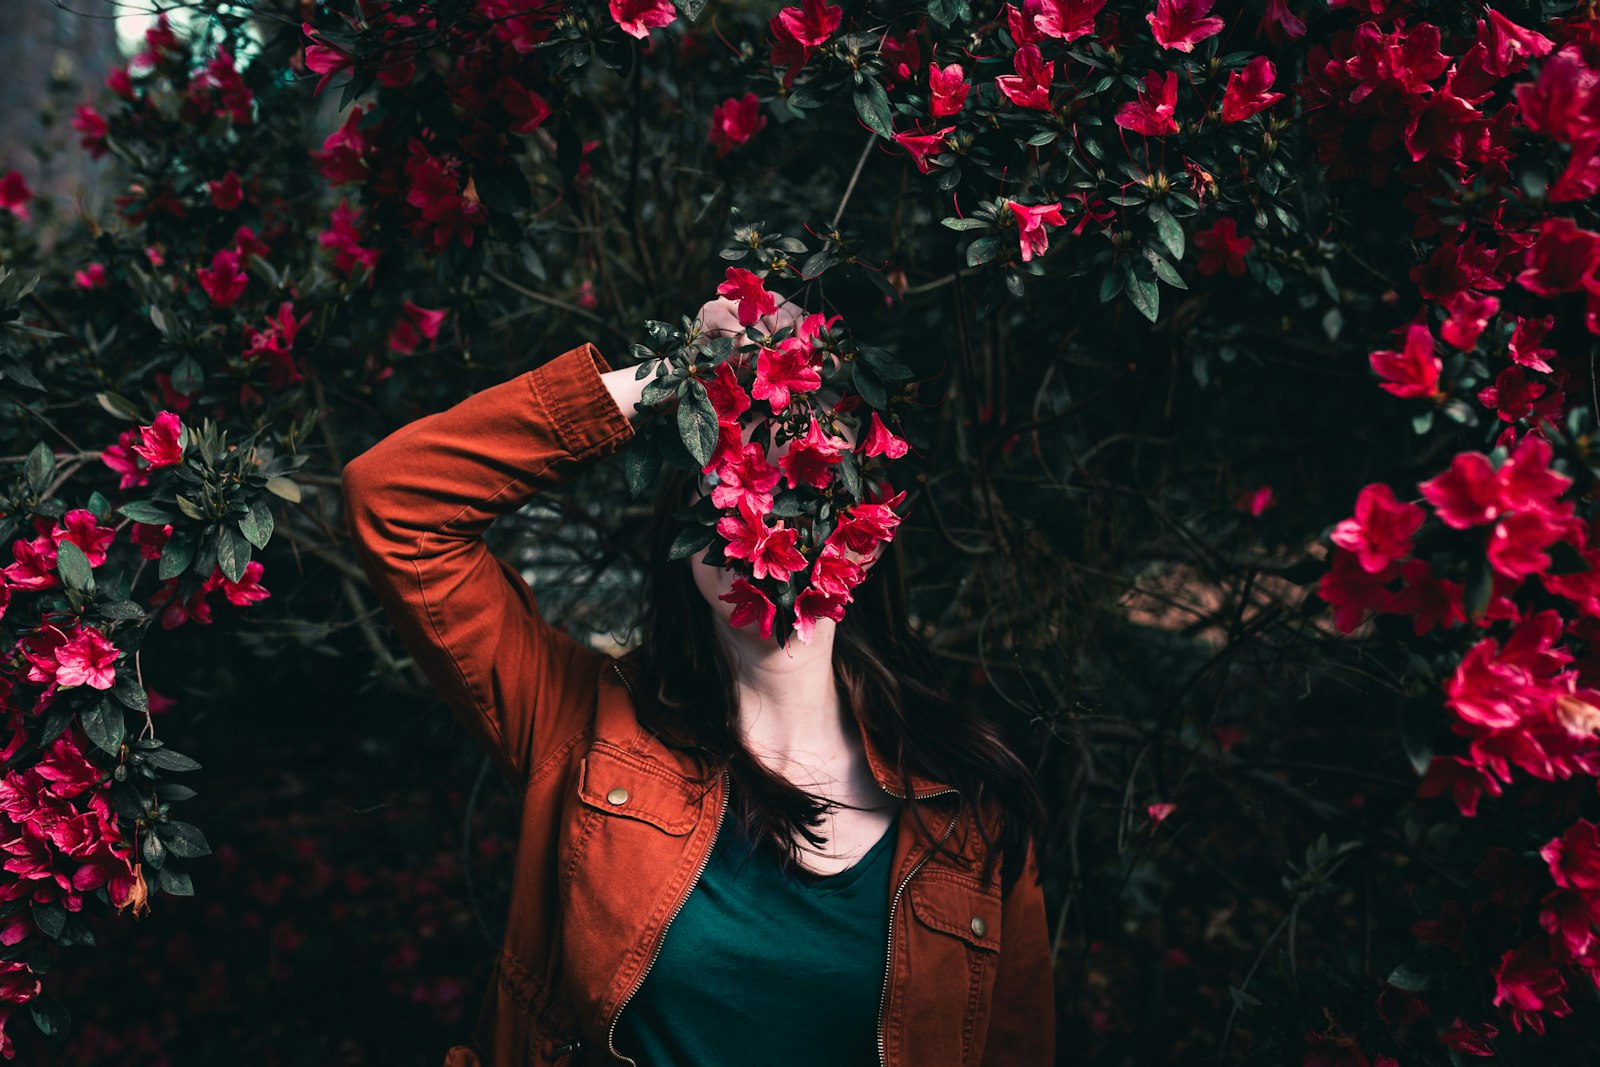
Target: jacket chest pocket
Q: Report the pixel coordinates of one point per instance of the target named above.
(628, 809)
(957, 949)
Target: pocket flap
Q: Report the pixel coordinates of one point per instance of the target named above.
(632, 787)
(958, 906)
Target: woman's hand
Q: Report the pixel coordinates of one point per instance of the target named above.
(720, 318)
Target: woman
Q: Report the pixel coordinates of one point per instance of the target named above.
(765, 855)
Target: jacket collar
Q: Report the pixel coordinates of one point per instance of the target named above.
(883, 769)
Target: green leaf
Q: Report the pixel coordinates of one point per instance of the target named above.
(691, 540)
(167, 760)
(1111, 284)
(233, 553)
(187, 376)
(284, 487)
(1144, 294)
(121, 611)
(1168, 229)
(176, 555)
(104, 725)
(148, 512)
(872, 104)
(965, 224)
(641, 465)
(49, 1015)
(50, 918)
(131, 693)
(183, 840)
(948, 12)
(1416, 735)
(175, 882)
(257, 526)
(73, 566)
(1164, 270)
(984, 249)
(697, 423)
(1409, 979)
(40, 466)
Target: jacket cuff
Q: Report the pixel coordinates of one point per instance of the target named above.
(574, 399)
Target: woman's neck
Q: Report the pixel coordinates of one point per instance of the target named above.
(789, 701)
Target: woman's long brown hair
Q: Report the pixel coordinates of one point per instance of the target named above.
(687, 696)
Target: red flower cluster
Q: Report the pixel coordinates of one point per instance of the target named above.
(784, 378)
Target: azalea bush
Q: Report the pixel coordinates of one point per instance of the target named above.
(1226, 370)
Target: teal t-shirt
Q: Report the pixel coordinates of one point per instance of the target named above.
(761, 967)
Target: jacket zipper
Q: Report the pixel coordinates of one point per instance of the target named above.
(888, 957)
(611, 1034)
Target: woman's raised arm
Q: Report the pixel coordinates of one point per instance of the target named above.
(417, 504)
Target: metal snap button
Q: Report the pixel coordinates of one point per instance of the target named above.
(618, 795)
(979, 927)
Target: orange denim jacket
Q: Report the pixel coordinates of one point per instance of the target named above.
(613, 835)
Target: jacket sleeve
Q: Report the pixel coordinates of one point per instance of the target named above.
(1022, 1021)
(417, 504)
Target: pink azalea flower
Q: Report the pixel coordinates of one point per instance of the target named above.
(33, 566)
(1413, 371)
(415, 324)
(1030, 85)
(749, 478)
(82, 528)
(1182, 24)
(1031, 220)
(949, 89)
(323, 59)
(864, 526)
(1469, 317)
(728, 397)
(161, 442)
(810, 458)
(750, 606)
(749, 290)
(1471, 492)
(1352, 592)
(813, 605)
(835, 573)
(247, 590)
(15, 194)
(777, 557)
(345, 241)
(224, 282)
(1574, 857)
(784, 370)
(89, 122)
(735, 121)
(1381, 530)
(1248, 90)
(1528, 983)
(91, 277)
(1221, 248)
(527, 109)
(1065, 20)
(881, 441)
(1560, 259)
(924, 146)
(638, 17)
(1278, 24)
(812, 24)
(226, 192)
(87, 659)
(342, 158)
(1151, 114)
